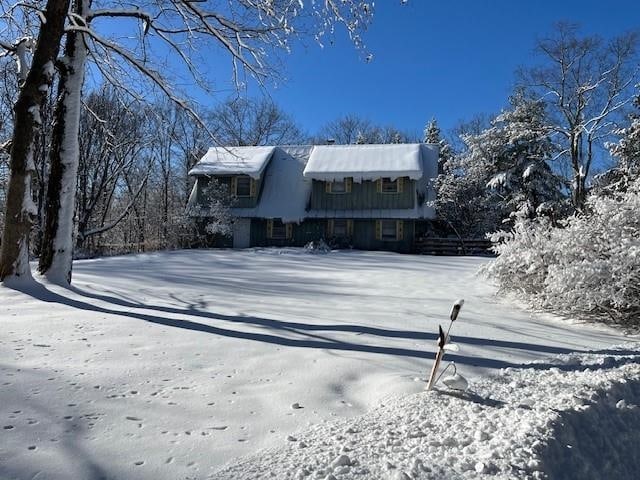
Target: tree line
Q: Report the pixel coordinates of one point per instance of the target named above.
(127, 180)
(54, 43)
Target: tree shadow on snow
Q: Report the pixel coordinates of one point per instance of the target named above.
(310, 340)
(64, 435)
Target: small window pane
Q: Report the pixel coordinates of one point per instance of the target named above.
(340, 228)
(389, 186)
(243, 186)
(389, 231)
(279, 230)
(338, 187)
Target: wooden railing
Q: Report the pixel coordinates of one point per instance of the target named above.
(452, 246)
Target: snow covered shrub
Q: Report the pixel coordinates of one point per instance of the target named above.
(590, 264)
(317, 246)
(214, 208)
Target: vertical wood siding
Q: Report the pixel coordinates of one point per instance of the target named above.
(363, 196)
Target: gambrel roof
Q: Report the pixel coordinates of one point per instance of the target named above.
(288, 172)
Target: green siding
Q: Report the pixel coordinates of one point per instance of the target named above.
(240, 202)
(363, 196)
(364, 235)
(301, 235)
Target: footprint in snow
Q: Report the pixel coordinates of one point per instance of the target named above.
(296, 406)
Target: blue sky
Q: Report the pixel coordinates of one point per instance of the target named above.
(448, 60)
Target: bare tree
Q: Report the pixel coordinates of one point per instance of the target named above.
(586, 82)
(249, 32)
(352, 129)
(114, 139)
(242, 122)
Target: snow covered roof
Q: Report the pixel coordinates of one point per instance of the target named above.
(286, 187)
(234, 161)
(364, 162)
(285, 191)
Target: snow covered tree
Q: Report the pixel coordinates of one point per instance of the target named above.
(585, 83)
(433, 135)
(519, 147)
(56, 256)
(503, 174)
(627, 154)
(35, 57)
(215, 218)
(249, 32)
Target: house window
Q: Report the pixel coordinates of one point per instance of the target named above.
(243, 187)
(339, 186)
(389, 230)
(340, 228)
(278, 230)
(389, 186)
(386, 185)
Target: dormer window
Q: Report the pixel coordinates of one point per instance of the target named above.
(386, 185)
(243, 187)
(339, 186)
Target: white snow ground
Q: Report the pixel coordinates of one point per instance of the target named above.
(174, 365)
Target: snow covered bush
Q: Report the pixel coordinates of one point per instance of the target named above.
(317, 246)
(214, 208)
(587, 265)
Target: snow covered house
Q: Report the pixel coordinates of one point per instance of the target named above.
(370, 197)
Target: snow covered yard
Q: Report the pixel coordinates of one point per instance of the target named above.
(173, 365)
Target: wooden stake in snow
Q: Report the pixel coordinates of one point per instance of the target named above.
(443, 338)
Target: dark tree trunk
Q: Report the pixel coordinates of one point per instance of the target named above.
(57, 244)
(20, 211)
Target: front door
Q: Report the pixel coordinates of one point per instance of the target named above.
(242, 233)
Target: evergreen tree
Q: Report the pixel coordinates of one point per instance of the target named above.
(627, 154)
(432, 135)
(503, 174)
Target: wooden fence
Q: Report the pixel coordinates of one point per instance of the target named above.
(452, 246)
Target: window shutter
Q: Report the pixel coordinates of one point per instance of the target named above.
(347, 184)
(234, 185)
(350, 228)
(289, 227)
(400, 184)
(378, 229)
(379, 185)
(399, 229)
(253, 188)
(269, 228)
(330, 228)
(327, 187)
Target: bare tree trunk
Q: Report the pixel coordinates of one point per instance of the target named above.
(56, 257)
(20, 210)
